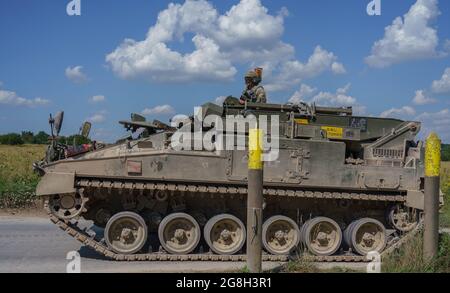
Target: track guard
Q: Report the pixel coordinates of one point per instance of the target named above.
(56, 183)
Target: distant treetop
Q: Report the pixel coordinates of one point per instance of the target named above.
(28, 137)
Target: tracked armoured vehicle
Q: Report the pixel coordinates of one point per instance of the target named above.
(339, 187)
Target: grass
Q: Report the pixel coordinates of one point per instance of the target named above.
(17, 179)
(305, 265)
(408, 259)
(244, 270)
(444, 217)
(302, 265)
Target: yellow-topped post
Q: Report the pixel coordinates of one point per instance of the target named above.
(431, 210)
(433, 156)
(255, 200)
(255, 143)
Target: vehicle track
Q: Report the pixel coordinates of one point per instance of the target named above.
(84, 236)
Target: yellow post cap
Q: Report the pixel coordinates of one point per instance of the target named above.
(433, 155)
(255, 145)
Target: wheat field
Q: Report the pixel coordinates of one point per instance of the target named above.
(17, 179)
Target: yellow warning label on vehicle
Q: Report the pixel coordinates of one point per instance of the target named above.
(333, 132)
(302, 121)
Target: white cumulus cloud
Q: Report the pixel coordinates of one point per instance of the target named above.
(154, 60)
(97, 118)
(97, 99)
(409, 37)
(305, 92)
(421, 98)
(159, 110)
(447, 45)
(338, 68)
(293, 72)
(340, 98)
(442, 85)
(398, 112)
(159, 63)
(75, 74)
(12, 98)
(438, 122)
(246, 34)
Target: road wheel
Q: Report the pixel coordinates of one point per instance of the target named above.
(126, 233)
(321, 236)
(225, 234)
(366, 235)
(179, 233)
(280, 235)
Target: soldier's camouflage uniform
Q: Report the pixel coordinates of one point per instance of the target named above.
(256, 95)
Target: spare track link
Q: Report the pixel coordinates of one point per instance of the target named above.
(82, 236)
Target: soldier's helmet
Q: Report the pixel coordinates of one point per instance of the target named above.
(253, 76)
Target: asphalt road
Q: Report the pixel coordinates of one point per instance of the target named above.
(34, 244)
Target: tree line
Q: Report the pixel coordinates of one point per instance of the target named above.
(28, 137)
(445, 152)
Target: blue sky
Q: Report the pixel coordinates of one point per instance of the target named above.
(323, 51)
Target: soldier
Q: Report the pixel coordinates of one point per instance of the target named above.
(254, 92)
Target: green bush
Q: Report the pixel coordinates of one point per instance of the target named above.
(26, 137)
(11, 139)
(16, 194)
(41, 138)
(445, 152)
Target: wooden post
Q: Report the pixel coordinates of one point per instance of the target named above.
(255, 201)
(432, 173)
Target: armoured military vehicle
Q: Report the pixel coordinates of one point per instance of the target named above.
(340, 186)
